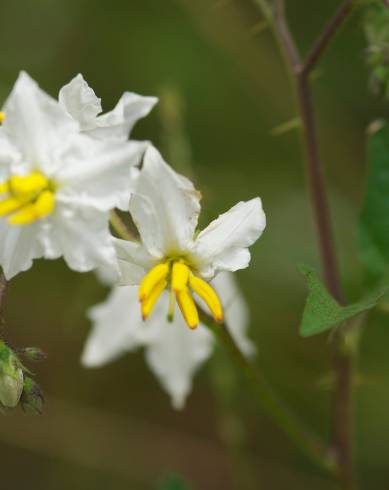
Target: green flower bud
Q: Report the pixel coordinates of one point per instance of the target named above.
(11, 377)
(32, 397)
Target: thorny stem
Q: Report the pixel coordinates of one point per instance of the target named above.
(293, 427)
(301, 70)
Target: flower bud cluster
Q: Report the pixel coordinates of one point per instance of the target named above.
(16, 385)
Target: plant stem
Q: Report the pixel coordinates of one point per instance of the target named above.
(293, 427)
(343, 362)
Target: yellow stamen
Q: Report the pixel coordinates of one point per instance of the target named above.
(208, 294)
(151, 279)
(9, 205)
(180, 276)
(149, 303)
(25, 216)
(188, 308)
(25, 184)
(2, 117)
(44, 205)
(30, 197)
(4, 187)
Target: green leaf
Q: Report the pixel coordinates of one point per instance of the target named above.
(322, 312)
(374, 219)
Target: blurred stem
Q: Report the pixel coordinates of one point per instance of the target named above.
(343, 358)
(175, 137)
(120, 227)
(293, 427)
(3, 287)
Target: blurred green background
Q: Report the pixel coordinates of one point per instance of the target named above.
(114, 427)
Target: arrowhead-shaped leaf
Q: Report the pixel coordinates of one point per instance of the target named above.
(322, 312)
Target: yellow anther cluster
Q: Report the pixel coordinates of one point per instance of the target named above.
(181, 279)
(26, 198)
(2, 116)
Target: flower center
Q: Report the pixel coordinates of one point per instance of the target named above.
(179, 278)
(26, 198)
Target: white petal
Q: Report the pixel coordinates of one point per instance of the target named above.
(134, 261)
(34, 121)
(97, 173)
(80, 101)
(173, 352)
(176, 354)
(118, 123)
(232, 259)
(116, 327)
(81, 235)
(224, 242)
(9, 155)
(236, 311)
(164, 206)
(108, 276)
(19, 246)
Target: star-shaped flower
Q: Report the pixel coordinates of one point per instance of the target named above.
(80, 102)
(56, 184)
(165, 208)
(173, 353)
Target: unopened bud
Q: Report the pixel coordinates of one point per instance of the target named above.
(11, 378)
(32, 397)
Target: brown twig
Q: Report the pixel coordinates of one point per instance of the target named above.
(301, 70)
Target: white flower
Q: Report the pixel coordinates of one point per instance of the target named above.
(173, 352)
(81, 103)
(165, 208)
(57, 185)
